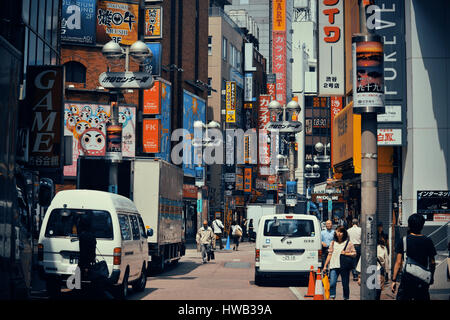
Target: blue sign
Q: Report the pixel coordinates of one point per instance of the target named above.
(79, 21)
(166, 102)
(330, 205)
(194, 109)
(156, 49)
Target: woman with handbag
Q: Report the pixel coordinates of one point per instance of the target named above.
(341, 254)
(236, 232)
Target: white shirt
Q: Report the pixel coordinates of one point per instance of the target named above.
(354, 234)
(335, 262)
(234, 228)
(217, 224)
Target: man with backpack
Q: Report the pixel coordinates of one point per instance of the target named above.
(218, 228)
(419, 252)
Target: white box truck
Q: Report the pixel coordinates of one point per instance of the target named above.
(256, 211)
(158, 195)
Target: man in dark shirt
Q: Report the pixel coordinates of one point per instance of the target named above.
(87, 243)
(422, 250)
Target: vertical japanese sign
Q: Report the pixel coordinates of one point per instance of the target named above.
(117, 21)
(151, 135)
(279, 48)
(331, 73)
(336, 107)
(45, 100)
(264, 145)
(248, 84)
(230, 101)
(271, 86)
(153, 22)
(78, 19)
(155, 63)
(247, 180)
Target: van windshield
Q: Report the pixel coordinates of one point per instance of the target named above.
(65, 223)
(289, 227)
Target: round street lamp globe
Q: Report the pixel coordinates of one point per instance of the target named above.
(140, 52)
(112, 50)
(275, 105)
(293, 105)
(319, 146)
(308, 167)
(316, 167)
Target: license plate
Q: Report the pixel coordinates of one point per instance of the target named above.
(289, 258)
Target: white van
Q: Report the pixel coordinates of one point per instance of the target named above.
(287, 244)
(120, 233)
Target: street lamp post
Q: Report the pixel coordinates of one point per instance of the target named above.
(200, 142)
(290, 126)
(113, 52)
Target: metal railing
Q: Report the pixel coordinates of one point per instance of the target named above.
(437, 230)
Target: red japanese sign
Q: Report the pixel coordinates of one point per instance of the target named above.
(279, 64)
(336, 107)
(263, 119)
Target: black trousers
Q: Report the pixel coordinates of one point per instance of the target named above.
(412, 288)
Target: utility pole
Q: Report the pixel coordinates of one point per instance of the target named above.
(368, 100)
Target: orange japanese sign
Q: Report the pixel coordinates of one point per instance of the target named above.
(152, 99)
(279, 15)
(151, 135)
(247, 179)
(117, 21)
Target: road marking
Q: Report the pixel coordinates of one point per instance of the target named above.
(296, 293)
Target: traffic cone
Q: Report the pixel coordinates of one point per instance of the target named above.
(311, 284)
(228, 243)
(318, 294)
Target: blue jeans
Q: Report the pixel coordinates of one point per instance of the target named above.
(345, 278)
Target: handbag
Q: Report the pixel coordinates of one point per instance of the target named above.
(413, 268)
(98, 270)
(346, 262)
(326, 286)
(238, 232)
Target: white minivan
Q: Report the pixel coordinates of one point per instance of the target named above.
(120, 234)
(287, 244)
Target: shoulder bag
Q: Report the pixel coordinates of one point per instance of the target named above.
(413, 268)
(98, 270)
(346, 262)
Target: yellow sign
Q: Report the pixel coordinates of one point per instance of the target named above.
(346, 142)
(279, 15)
(153, 22)
(230, 101)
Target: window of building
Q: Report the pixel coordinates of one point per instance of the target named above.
(210, 45)
(75, 72)
(225, 49)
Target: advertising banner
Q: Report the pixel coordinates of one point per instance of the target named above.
(263, 144)
(45, 104)
(368, 73)
(117, 21)
(389, 137)
(248, 91)
(331, 63)
(279, 15)
(78, 21)
(194, 109)
(230, 101)
(86, 122)
(153, 22)
(155, 63)
(166, 98)
(152, 99)
(151, 135)
(336, 106)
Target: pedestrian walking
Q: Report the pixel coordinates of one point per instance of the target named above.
(236, 232)
(382, 266)
(87, 259)
(206, 239)
(326, 236)
(251, 231)
(218, 228)
(354, 234)
(245, 230)
(417, 252)
(340, 260)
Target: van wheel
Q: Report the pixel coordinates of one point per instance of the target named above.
(139, 284)
(53, 288)
(122, 289)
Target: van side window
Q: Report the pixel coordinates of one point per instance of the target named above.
(135, 227)
(125, 229)
(143, 231)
